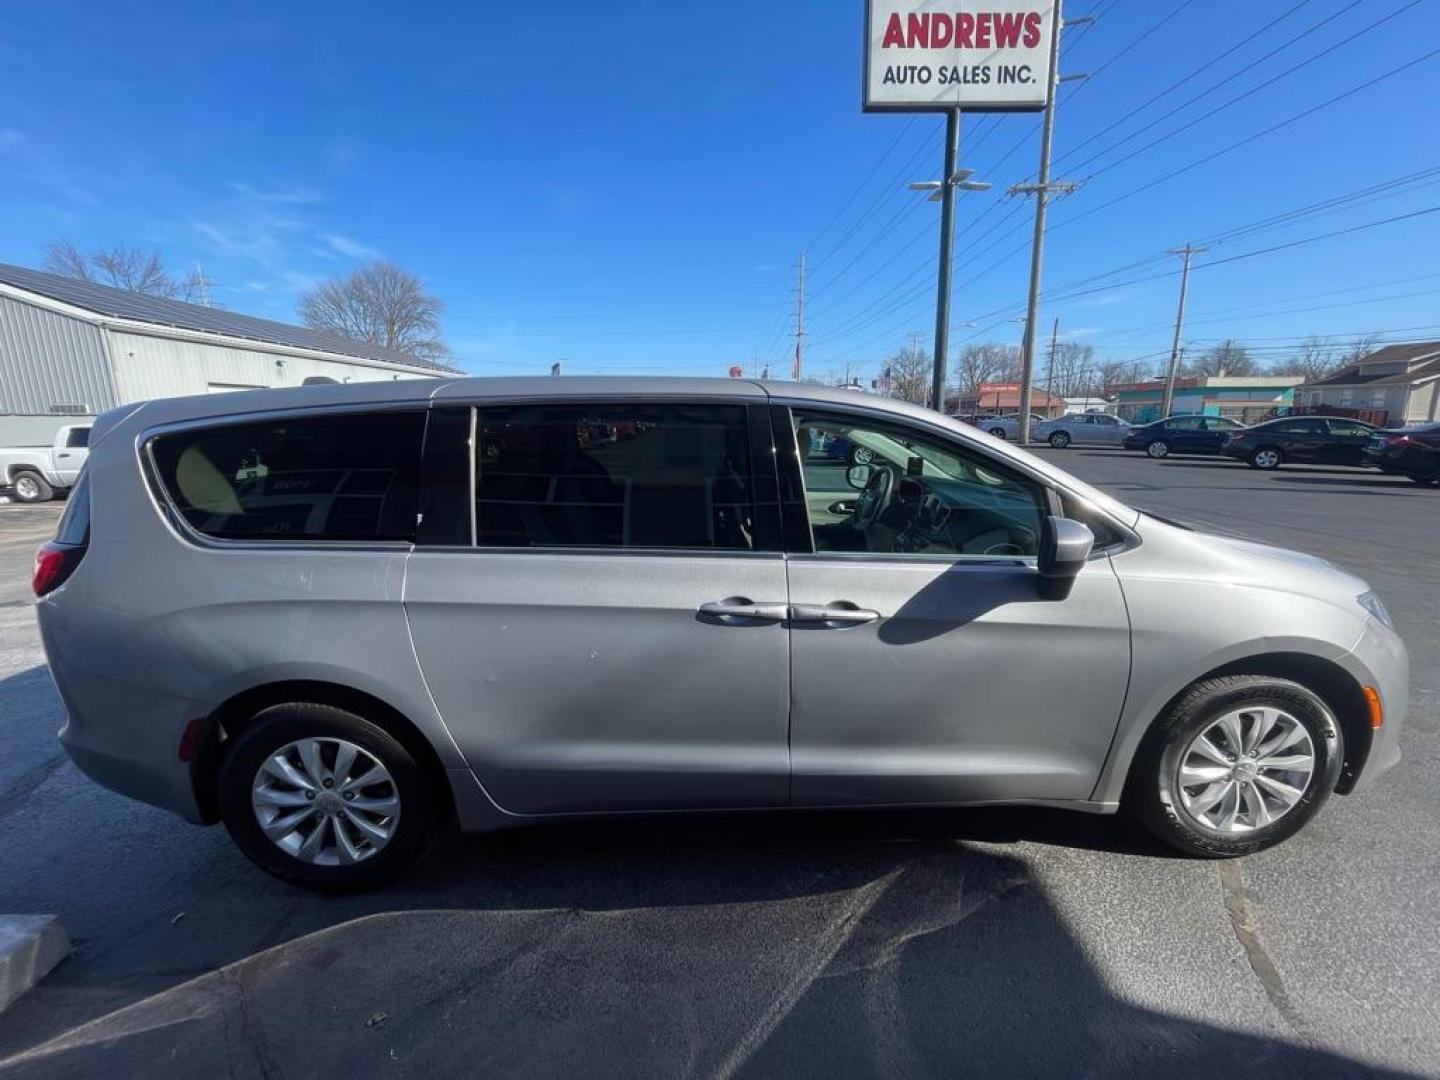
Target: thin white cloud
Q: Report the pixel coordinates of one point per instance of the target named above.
(303, 196)
(348, 246)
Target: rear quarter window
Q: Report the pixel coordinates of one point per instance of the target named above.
(349, 477)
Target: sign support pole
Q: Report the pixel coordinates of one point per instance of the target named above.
(947, 243)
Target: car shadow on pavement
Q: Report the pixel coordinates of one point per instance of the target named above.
(659, 952)
(897, 943)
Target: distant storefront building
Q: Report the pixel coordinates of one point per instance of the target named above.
(999, 399)
(1399, 384)
(1243, 398)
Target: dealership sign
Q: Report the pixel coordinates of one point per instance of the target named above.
(975, 55)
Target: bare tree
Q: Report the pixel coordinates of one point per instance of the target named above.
(910, 374)
(1358, 351)
(1069, 371)
(1228, 358)
(986, 363)
(123, 268)
(1121, 373)
(1317, 358)
(380, 304)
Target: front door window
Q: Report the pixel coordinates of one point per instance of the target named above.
(873, 488)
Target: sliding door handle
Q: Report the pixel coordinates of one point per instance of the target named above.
(737, 607)
(839, 612)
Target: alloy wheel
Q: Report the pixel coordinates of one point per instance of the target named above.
(1158, 449)
(26, 489)
(326, 801)
(1266, 459)
(1060, 440)
(1246, 771)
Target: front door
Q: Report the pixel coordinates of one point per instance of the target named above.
(609, 633)
(924, 666)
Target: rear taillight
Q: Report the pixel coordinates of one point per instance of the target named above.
(54, 563)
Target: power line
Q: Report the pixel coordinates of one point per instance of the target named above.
(1185, 79)
(1389, 74)
(1313, 28)
(1347, 41)
(815, 243)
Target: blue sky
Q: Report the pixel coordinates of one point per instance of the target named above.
(628, 186)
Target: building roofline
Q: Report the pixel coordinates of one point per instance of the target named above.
(29, 286)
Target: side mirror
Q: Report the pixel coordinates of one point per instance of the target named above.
(858, 476)
(1064, 549)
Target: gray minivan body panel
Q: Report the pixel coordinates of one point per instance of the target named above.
(581, 682)
(968, 688)
(578, 681)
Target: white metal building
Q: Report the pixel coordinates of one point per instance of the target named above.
(73, 348)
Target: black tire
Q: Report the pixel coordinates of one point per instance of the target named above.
(29, 486)
(279, 725)
(1157, 449)
(1425, 481)
(1059, 440)
(1152, 792)
(998, 432)
(1267, 457)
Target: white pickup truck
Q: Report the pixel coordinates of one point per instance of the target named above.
(34, 474)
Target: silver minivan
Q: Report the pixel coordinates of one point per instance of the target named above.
(341, 618)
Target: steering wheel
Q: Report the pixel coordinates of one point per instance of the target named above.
(874, 500)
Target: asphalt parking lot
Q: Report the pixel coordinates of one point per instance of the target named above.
(997, 942)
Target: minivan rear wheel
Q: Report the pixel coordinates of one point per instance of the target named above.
(1237, 765)
(323, 798)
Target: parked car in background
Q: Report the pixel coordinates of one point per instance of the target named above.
(1183, 435)
(1008, 427)
(1307, 440)
(1084, 429)
(39, 473)
(1410, 451)
(341, 618)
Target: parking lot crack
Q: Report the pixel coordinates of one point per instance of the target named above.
(28, 781)
(1245, 923)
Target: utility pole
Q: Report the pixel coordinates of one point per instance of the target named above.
(947, 243)
(799, 365)
(1042, 190)
(203, 284)
(1188, 252)
(1050, 368)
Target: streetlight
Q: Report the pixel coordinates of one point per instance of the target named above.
(943, 192)
(959, 179)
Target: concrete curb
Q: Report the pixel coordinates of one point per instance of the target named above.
(30, 947)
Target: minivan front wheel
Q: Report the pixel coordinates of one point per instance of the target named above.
(320, 797)
(1237, 765)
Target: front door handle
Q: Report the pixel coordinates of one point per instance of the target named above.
(737, 607)
(838, 612)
